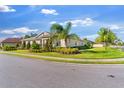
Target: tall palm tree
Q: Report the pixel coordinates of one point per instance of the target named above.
(103, 34)
(106, 36)
(63, 33)
(55, 30)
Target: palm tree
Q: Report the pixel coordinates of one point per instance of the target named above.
(106, 36)
(63, 33)
(55, 30)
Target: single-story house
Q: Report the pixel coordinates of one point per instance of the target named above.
(98, 45)
(0, 42)
(11, 42)
(42, 38)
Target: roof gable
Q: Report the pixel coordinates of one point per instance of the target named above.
(43, 34)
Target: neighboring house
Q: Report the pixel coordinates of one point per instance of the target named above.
(11, 42)
(98, 45)
(44, 36)
(0, 42)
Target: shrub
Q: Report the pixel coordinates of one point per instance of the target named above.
(35, 46)
(9, 48)
(36, 50)
(66, 50)
(86, 46)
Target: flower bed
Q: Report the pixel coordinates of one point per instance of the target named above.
(66, 50)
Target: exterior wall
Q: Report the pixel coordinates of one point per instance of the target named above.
(41, 39)
(26, 42)
(9, 44)
(44, 40)
(72, 43)
(41, 42)
(31, 42)
(62, 44)
(38, 42)
(98, 45)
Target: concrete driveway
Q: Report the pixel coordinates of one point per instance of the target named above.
(27, 72)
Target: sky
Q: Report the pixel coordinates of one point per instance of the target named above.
(19, 20)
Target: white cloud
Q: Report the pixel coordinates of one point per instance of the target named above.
(80, 22)
(87, 22)
(23, 30)
(15, 36)
(114, 27)
(49, 12)
(53, 22)
(7, 32)
(91, 37)
(4, 8)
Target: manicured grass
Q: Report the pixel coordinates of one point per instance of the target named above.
(89, 53)
(66, 61)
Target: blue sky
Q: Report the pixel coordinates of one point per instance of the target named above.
(20, 20)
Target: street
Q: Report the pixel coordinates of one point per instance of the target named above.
(20, 72)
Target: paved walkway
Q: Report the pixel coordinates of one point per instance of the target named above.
(68, 59)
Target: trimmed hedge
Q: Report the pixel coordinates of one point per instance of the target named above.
(82, 47)
(35, 46)
(66, 50)
(9, 48)
(36, 50)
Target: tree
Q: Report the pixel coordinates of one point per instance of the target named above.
(35, 46)
(26, 36)
(31, 35)
(63, 33)
(106, 36)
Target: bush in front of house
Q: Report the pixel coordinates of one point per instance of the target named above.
(36, 50)
(66, 50)
(35, 46)
(86, 46)
(9, 48)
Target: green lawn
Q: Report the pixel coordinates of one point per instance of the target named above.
(89, 53)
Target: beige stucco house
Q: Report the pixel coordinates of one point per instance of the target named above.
(41, 39)
(98, 45)
(10, 42)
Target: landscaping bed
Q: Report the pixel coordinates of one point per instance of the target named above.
(88, 54)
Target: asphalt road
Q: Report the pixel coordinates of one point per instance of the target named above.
(27, 73)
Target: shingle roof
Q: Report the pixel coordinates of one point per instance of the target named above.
(12, 40)
(39, 36)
